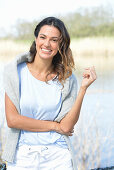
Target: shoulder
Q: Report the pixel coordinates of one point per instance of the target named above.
(21, 69)
(11, 67)
(20, 66)
(73, 83)
(70, 85)
(73, 78)
(8, 69)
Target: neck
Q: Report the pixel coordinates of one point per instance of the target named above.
(42, 66)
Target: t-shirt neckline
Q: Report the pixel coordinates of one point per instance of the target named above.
(38, 79)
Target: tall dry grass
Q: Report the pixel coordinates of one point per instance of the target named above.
(9, 49)
(98, 52)
(83, 47)
(93, 47)
(87, 51)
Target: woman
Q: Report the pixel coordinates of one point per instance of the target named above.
(40, 101)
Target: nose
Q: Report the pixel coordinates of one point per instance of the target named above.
(47, 43)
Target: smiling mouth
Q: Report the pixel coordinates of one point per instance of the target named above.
(45, 50)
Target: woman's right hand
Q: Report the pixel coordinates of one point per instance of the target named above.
(89, 76)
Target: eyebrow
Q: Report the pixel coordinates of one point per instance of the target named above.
(51, 37)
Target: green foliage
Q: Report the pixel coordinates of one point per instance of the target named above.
(95, 22)
(92, 22)
(24, 30)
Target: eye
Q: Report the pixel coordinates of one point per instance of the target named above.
(54, 40)
(42, 37)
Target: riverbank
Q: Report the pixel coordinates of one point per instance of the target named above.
(83, 47)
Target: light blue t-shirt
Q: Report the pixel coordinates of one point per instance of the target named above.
(42, 101)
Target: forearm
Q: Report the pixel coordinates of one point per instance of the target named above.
(15, 120)
(30, 124)
(68, 122)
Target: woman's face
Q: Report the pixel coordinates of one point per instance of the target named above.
(47, 42)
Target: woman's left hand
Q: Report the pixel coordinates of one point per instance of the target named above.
(89, 76)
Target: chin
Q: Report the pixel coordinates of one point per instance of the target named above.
(46, 57)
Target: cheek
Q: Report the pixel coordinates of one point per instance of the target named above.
(55, 51)
(56, 47)
(38, 42)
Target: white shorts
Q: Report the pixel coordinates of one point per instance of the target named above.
(41, 158)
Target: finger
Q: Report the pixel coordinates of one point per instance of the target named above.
(70, 134)
(88, 68)
(90, 72)
(86, 73)
(93, 70)
(72, 131)
(92, 76)
(93, 73)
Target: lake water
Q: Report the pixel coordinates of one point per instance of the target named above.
(93, 137)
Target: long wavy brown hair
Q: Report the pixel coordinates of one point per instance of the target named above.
(63, 61)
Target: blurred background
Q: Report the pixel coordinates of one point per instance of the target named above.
(91, 27)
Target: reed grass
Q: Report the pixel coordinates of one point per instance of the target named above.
(93, 47)
(98, 52)
(82, 48)
(9, 49)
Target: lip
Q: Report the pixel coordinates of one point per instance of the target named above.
(46, 50)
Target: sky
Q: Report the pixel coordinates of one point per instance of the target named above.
(13, 10)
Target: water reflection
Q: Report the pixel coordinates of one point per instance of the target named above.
(94, 130)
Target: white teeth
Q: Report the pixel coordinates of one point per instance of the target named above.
(46, 50)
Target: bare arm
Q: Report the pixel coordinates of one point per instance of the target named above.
(68, 122)
(15, 120)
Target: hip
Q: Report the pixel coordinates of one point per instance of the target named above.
(40, 157)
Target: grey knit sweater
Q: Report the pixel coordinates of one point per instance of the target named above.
(11, 86)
